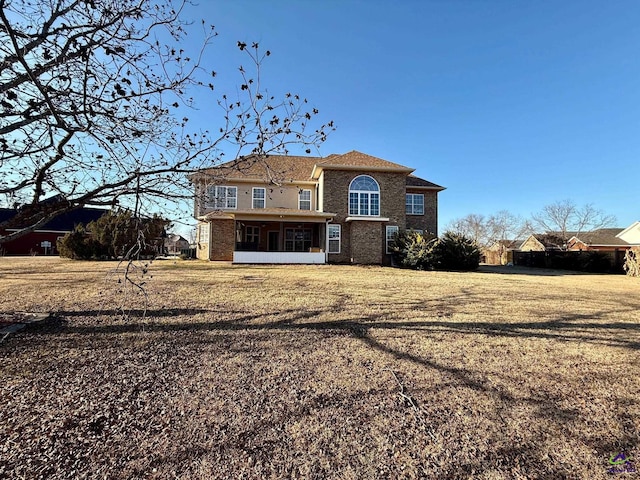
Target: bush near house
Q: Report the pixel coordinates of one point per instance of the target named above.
(454, 251)
(414, 250)
(113, 235)
(425, 252)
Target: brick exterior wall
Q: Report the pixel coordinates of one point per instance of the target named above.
(366, 242)
(363, 241)
(429, 221)
(532, 245)
(223, 240)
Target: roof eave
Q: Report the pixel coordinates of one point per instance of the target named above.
(317, 169)
(437, 188)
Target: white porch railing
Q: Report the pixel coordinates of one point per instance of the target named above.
(278, 257)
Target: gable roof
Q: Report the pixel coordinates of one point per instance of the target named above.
(509, 244)
(359, 159)
(631, 234)
(273, 167)
(355, 160)
(175, 238)
(551, 240)
(602, 236)
(293, 168)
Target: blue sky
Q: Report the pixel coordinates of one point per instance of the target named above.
(509, 104)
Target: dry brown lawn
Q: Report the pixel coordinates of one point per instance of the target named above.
(318, 372)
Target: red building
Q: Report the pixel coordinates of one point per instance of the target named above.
(43, 240)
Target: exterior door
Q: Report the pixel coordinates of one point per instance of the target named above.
(273, 241)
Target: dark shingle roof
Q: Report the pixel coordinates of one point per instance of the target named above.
(62, 223)
(359, 159)
(413, 181)
(602, 236)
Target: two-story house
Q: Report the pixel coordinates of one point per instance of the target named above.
(290, 209)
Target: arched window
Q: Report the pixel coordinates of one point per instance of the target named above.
(364, 197)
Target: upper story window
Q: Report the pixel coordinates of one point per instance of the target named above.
(259, 196)
(415, 204)
(304, 200)
(219, 196)
(364, 196)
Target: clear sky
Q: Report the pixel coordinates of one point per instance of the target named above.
(508, 104)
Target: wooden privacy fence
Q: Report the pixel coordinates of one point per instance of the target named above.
(585, 261)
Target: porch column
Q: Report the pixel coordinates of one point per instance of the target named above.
(223, 239)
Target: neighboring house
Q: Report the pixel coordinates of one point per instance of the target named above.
(607, 239)
(289, 209)
(501, 252)
(631, 234)
(603, 240)
(175, 244)
(544, 242)
(42, 241)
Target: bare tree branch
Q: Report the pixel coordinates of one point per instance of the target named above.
(565, 219)
(92, 107)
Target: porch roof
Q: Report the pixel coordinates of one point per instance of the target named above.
(271, 214)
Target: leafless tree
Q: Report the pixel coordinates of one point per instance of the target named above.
(92, 95)
(473, 226)
(566, 219)
(505, 225)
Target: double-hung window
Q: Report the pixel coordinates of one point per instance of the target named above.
(391, 233)
(304, 200)
(364, 197)
(222, 197)
(259, 197)
(203, 233)
(415, 204)
(334, 238)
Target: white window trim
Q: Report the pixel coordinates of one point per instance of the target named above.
(393, 229)
(203, 229)
(413, 203)
(369, 192)
(255, 229)
(210, 203)
(253, 197)
(339, 238)
(300, 199)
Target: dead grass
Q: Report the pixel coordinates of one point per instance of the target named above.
(292, 372)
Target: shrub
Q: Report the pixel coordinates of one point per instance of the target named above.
(78, 245)
(413, 250)
(454, 251)
(632, 262)
(113, 235)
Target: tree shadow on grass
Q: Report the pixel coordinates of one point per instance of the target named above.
(546, 405)
(572, 327)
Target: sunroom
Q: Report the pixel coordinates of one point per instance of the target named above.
(271, 236)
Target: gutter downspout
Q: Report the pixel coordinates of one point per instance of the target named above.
(326, 241)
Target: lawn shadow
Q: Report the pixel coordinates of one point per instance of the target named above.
(533, 271)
